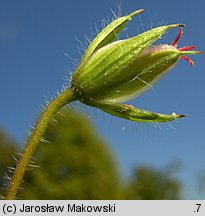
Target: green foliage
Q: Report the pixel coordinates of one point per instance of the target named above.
(75, 165)
(152, 184)
(7, 149)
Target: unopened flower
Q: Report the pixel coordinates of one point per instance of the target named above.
(112, 72)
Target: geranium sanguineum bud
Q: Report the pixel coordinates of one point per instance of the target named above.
(111, 72)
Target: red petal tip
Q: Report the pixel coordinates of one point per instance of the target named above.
(186, 48)
(175, 41)
(187, 59)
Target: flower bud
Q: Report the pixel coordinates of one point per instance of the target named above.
(114, 65)
(111, 72)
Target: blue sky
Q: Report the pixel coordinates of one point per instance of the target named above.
(34, 35)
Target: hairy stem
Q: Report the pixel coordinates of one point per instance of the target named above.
(64, 98)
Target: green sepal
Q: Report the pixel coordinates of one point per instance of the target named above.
(109, 33)
(106, 36)
(134, 114)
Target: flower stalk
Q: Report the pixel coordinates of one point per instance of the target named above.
(64, 98)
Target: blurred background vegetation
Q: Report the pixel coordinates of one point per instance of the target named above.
(74, 163)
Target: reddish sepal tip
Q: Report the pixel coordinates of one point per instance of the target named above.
(182, 25)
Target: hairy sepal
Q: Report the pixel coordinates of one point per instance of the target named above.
(134, 114)
(106, 36)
